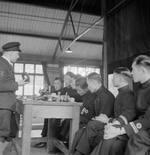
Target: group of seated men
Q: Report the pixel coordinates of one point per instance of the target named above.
(112, 125)
(108, 125)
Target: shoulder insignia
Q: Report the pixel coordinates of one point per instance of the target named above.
(139, 125)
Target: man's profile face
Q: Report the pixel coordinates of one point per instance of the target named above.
(14, 55)
(80, 91)
(67, 80)
(57, 85)
(116, 79)
(136, 72)
(91, 85)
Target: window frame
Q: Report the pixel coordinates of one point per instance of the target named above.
(82, 66)
(34, 74)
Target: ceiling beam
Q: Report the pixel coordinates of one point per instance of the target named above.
(84, 32)
(118, 6)
(33, 58)
(73, 27)
(62, 5)
(41, 36)
(72, 5)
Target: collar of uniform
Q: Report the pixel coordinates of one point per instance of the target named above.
(123, 89)
(146, 84)
(86, 93)
(8, 60)
(99, 90)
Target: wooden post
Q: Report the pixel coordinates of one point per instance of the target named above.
(104, 50)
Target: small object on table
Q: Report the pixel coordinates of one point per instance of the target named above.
(26, 77)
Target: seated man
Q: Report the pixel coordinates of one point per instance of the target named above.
(124, 112)
(87, 108)
(103, 105)
(138, 130)
(55, 123)
(69, 89)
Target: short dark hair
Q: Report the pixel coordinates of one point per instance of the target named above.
(81, 82)
(72, 75)
(123, 71)
(58, 78)
(77, 76)
(95, 76)
(142, 60)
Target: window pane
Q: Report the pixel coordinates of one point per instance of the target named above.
(65, 69)
(29, 68)
(39, 69)
(81, 71)
(39, 81)
(89, 70)
(73, 70)
(18, 68)
(28, 89)
(20, 89)
(97, 70)
(84, 71)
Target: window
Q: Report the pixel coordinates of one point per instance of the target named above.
(82, 70)
(35, 72)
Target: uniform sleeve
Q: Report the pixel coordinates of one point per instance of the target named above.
(128, 108)
(105, 104)
(87, 111)
(7, 83)
(142, 123)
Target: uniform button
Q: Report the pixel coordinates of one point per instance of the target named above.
(139, 125)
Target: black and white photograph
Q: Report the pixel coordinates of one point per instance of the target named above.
(74, 77)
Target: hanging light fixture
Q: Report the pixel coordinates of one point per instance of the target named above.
(68, 50)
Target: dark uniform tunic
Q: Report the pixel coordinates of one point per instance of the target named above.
(103, 104)
(124, 112)
(8, 86)
(87, 109)
(71, 93)
(139, 130)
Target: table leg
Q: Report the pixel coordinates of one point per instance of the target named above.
(27, 127)
(50, 146)
(74, 125)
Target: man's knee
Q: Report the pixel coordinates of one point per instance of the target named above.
(91, 124)
(95, 125)
(118, 146)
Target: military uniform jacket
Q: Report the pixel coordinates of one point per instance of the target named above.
(72, 93)
(124, 107)
(87, 109)
(104, 102)
(8, 86)
(143, 107)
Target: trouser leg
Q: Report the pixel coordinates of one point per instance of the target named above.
(91, 137)
(45, 127)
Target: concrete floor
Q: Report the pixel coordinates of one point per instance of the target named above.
(42, 151)
(38, 151)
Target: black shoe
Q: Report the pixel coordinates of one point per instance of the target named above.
(40, 145)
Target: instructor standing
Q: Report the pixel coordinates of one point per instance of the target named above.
(8, 86)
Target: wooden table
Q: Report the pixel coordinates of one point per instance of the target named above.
(46, 109)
